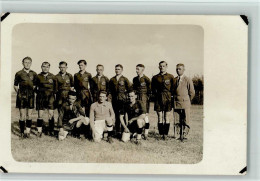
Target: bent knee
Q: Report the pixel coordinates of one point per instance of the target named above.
(140, 123)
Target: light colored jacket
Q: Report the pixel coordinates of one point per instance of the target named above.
(184, 92)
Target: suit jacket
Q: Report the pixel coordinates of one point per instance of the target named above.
(183, 92)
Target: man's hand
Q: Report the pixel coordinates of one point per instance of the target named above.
(126, 130)
(61, 132)
(130, 121)
(71, 121)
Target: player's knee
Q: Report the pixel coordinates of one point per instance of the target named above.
(85, 121)
(109, 121)
(140, 123)
(78, 124)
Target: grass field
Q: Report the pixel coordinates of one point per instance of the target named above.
(49, 149)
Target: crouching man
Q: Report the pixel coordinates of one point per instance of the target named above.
(102, 118)
(132, 118)
(72, 118)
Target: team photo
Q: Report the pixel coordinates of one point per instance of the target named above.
(107, 94)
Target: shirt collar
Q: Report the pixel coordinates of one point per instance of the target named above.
(163, 74)
(63, 74)
(141, 76)
(118, 76)
(83, 72)
(27, 71)
(103, 104)
(180, 77)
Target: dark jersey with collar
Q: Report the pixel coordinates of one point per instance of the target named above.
(142, 85)
(25, 80)
(118, 88)
(67, 113)
(81, 81)
(64, 82)
(100, 84)
(162, 83)
(46, 83)
(134, 110)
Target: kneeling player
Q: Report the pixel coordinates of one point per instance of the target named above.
(72, 118)
(134, 114)
(24, 84)
(102, 118)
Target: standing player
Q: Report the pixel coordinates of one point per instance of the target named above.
(72, 118)
(83, 85)
(134, 114)
(142, 86)
(24, 84)
(100, 83)
(46, 89)
(162, 88)
(183, 94)
(118, 87)
(64, 84)
(102, 118)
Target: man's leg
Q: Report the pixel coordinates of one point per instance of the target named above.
(147, 125)
(28, 122)
(40, 122)
(81, 127)
(51, 122)
(160, 123)
(140, 126)
(166, 122)
(109, 124)
(187, 122)
(22, 122)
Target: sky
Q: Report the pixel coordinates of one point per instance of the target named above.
(109, 44)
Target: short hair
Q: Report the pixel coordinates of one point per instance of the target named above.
(72, 93)
(62, 62)
(140, 65)
(102, 92)
(99, 65)
(163, 62)
(82, 61)
(27, 58)
(132, 91)
(180, 64)
(43, 63)
(119, 65)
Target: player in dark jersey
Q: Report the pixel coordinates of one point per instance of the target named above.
(83, 85)
(65, 83)
(134, 121)
(46, 85)
(100, 83)
(119, 86)
(163, 88)
(142, 86)
(24, 84)
(72, 118)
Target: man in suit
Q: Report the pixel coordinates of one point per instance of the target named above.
(183, 94)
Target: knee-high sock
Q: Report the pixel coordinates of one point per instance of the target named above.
(147, 125)
(39, 124)
(21, 125)
(166, 128)
(160, 128)
(109, 130)
(139, 133)
(51, 124)
(28, 125)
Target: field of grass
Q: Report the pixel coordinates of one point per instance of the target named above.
(49, 149)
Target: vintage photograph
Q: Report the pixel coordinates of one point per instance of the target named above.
(123, 94)
(107, 93)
